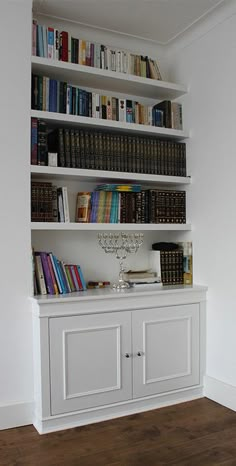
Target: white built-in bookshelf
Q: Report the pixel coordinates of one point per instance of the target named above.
(79, 179)
(157, 327)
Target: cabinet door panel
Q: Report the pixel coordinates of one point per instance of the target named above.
(88, 363)
(166, 349)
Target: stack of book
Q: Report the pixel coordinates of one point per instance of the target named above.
(174, 260)
(49, 42)
(52, 276)
(51, 95)
(49, 203)
(142, 277)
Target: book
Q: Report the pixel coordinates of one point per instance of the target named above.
(41, 285)
(83, 207)
(65, 204)
(34, 141)
(46, 272)
(119, 187)
(81, 277)
(143, 280)
(165, 107)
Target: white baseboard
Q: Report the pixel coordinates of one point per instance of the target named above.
(220, 392)
(15, 415)
(107, 412)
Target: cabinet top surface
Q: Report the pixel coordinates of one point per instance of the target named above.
(109, 293)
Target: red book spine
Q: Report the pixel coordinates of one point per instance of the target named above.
(64, 46)
(78, 278)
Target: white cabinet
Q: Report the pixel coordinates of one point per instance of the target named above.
(165, 349)
(101, 355)
(90, 361)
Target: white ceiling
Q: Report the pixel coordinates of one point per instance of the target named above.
(159, 20)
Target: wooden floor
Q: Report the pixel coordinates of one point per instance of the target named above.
(197, 433)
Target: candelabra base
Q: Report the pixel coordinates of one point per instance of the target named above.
(121, 285)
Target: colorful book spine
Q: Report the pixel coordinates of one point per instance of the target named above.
(47, 275)
(82, 278)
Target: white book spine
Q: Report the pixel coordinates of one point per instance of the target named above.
(94, 105)
(66, 204)
(150, 115)
(122, 110)
(97, 99)
(118, 60)
(113, 60)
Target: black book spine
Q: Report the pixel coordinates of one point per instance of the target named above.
(42, 158)
(72, 145)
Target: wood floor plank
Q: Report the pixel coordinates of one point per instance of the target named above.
(197, 433)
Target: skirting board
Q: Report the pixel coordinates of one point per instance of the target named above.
(15, 415)
(220, 392)
(105, 413)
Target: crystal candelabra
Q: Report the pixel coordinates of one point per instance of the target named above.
(120, 244)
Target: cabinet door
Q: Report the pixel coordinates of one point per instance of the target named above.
(165, 349)
(88, 361)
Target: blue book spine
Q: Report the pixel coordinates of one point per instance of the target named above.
(82, 278)
(61, 278)
(56, 272)
(50, 43)
(76, 101)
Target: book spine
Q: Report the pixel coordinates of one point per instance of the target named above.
(34, 141)
(54, 282)
(54, 266)
(82, 277)
(47, 275)
(65, 204)
(78, 278)
(39, 274)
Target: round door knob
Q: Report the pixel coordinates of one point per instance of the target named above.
(139, 353)
(127, 355)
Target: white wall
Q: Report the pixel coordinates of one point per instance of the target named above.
(207, 64)
(16, 367)
(15, 274)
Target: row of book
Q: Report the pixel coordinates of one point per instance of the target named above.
(51, 95)
(97, 150)
(49, 42)
(52, 276)
(145, 206)
(49, 203)
(172, 263)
